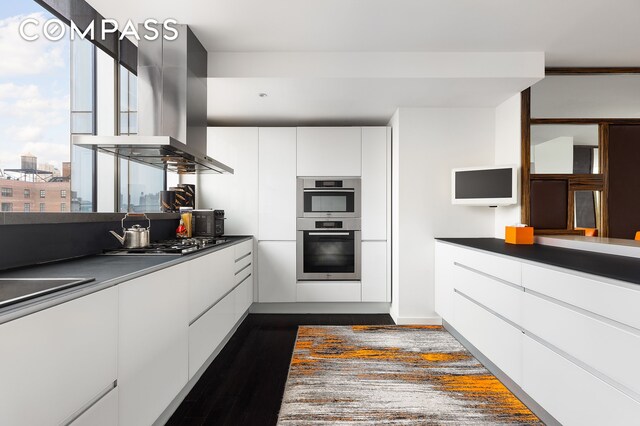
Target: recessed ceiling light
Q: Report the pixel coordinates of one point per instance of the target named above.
(262, 95)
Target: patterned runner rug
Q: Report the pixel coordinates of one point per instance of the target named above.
(392, 375)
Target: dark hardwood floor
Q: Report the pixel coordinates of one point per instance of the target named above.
(245, 383)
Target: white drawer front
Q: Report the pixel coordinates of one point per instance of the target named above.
(328, 291)
(604, 347)
(242, 265)
(571, 394)
(609, 300)
(243, 297)
(208, 332)
(505, 299)
(103, 413)
(444, 267)
(243, 248)
(496, 339)
(494, 265)
(210, 277)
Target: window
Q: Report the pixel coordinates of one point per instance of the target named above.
(128, 102)
(63, 193)
(42, 208)
(63, 207)
(36, 103)
(7, 207)
(42, 193)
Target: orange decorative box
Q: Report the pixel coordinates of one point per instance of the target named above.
(518, 235)
(638, 236)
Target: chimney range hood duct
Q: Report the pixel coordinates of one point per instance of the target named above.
(172, 108)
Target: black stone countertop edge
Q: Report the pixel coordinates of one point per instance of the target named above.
(108, 271)
(621, 268)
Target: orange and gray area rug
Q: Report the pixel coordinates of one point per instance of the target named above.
(392, 375)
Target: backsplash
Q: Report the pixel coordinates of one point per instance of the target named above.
(25, 244)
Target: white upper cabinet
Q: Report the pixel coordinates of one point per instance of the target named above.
(277, 184)
(236, 194)
(374, 183)
(329, 151)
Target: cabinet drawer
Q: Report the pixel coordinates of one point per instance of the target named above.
(243, 249)
(609, 300)
(496, 266)
(571, 394)
(604, 347)
(208, 332)
(54, 362)
(496, 339)
(243, 297)
(210, 277)
(505, 299)
(328, 291)
(103, 413)
(241, 266)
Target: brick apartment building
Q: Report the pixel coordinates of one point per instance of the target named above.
(33, 193)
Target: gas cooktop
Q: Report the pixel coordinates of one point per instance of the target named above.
(171, 247)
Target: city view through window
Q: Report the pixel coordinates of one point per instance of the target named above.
(48, 92)
(35, 166)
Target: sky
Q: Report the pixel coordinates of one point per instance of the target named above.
(34, 90)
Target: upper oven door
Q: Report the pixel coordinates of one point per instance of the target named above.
(328, 197)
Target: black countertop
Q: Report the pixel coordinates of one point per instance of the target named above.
(621, 268)
(107, 271)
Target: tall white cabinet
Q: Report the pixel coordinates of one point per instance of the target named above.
(277, 184)
(329, 151)
(267, 162)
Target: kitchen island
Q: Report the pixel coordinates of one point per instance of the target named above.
(560, 327)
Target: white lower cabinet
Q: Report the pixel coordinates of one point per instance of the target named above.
(153, 343)
(276, 271)
(103, 413)
(571, 394)
(569, 340)
(208, 329)
(495, 338)
(210, 277)
(54, 362)
(587, 338)
(374, 271)
(328, 291)
(208, 332)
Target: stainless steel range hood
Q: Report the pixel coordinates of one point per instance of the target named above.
(172, 107)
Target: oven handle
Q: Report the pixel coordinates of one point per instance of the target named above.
(329, 189)
(328, 233)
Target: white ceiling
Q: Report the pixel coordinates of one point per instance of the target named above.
(570, 32)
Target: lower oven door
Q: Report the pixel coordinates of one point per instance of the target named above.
(328, 255)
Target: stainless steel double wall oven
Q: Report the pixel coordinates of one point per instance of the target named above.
(328, 224)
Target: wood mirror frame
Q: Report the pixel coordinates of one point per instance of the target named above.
(575, 182)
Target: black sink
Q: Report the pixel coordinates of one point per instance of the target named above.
(15, 290)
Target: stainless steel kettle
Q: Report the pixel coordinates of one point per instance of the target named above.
(136, 236)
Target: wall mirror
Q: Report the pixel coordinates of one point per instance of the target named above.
(564, 149)
(580, 144)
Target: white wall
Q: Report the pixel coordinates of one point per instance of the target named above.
(427, 144)
(507, 151)
(236, 194)
(554, 156)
